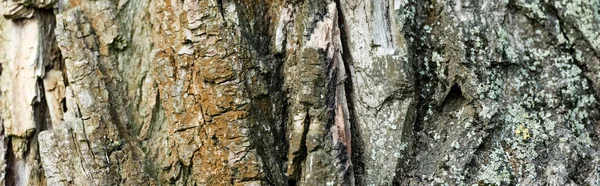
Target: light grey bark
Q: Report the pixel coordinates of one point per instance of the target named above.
(286, 92)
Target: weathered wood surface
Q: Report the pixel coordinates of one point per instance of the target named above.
(285, 92)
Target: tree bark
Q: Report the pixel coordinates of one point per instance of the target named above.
(287, 92)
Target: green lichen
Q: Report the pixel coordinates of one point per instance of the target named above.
(497, 170)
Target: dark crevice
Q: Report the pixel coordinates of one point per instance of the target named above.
(454, 98)
(186, 172)
(63, 102)
(282, 137)
(303, 149)
(42, 122)
(10, 178)
(271, 111)
(418, 49)
(268, 111)
(221, 10)
(301, 154)
(41, 111)
(355, 134)
(292, 182)
(81, 157)
(156, 112)
(178, 165)
(331, 87)
(333, 100)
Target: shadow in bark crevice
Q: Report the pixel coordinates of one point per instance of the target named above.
(356, 135)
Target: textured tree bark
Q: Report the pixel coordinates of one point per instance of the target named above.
(288, 92)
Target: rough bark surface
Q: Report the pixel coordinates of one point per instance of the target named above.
(299, 92)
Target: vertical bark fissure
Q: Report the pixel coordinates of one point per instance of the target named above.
(417, 53)
(54, 61)
(221, 10)
(10, 178)
(84, 133)
(43, 122)
(80, 155)
(23, 165)
(570, 49)
(356, 136)
(283, 114)
(303, 151)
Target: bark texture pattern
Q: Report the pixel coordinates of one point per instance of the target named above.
(299, 92)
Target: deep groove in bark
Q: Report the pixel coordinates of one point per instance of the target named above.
(283, 114)
(570, 49)
(41, 113)
(418, 50)
(266, 110)
(356, 135)
(10, 178)
(42, 116)
(42, 122)
(221, 10)
(302, 153)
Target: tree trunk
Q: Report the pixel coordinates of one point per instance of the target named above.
(313, 92)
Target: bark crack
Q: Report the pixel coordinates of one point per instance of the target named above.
(356, 159)
(570, 49)
(302, 152)
(81, 159)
